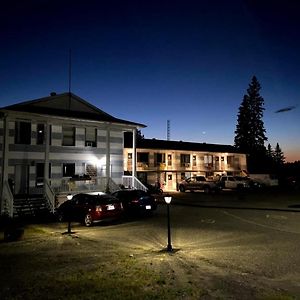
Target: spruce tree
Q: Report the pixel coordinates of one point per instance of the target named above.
(270, 152)
(278, 156)
(250, 132)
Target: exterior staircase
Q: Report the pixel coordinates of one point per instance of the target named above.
(29, 206)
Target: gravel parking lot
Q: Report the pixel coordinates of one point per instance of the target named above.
(224, 249)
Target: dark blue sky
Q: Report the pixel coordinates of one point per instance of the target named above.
(189, 62)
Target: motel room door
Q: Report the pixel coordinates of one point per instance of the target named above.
(21, 179)
(169, 183)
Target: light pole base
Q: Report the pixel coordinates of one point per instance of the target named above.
(169, 248)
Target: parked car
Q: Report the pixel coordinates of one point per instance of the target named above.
(90, 208)
(136, 201)
(232, 183)
(198, 183)
(251, 183)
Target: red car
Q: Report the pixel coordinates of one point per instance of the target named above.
(90, 208)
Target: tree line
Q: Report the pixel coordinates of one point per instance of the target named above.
(250, 135)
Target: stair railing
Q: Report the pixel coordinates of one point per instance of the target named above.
(8, 199)
(132, 182)
(49, 195)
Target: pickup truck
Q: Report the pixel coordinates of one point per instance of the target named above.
(231, 182)
(198, 183)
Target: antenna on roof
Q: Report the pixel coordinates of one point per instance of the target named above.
(70, 75)
(168, 130)
(70, 69)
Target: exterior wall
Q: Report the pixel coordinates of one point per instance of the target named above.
(23, 158)
(1, 150)
(170, 172)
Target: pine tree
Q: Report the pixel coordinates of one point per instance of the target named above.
(250, 132)
(270, 152)
(278, 156)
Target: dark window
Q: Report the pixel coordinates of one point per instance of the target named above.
(39, 174)
(50, 134)
(159, 158)
(91, 137)
(68, 133)
(68, 170)
(185, 160)
(23, 133)
(143, 157)
(40, 135)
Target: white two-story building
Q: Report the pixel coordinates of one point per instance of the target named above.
(56, 144)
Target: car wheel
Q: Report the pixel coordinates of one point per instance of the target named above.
(206, 189)
(88, 220)
(181, 188)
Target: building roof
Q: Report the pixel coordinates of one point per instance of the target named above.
(67, 105)
(178, 145)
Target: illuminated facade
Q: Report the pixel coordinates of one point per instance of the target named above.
(170, 161)
(56, 138)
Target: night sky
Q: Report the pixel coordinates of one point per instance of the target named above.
(189, 62)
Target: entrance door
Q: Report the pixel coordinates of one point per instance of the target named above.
(21, 179)
(170, 181)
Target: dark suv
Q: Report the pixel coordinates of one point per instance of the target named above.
(136, 201)
(90, 208)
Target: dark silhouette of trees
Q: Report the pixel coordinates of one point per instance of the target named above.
(139, 135)
(275, 159)
(250, 134)
(278, 156)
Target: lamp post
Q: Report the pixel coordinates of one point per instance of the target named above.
(168, 200)
(69, 197)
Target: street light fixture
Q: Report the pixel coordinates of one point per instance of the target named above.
(168, 200)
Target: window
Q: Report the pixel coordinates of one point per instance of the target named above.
(143, 157)
(169, 159)
(50, 134)
(208, 161)
(68, 170)
(39, 174)
(68, 133)
(159, 158)
(129, 155)
(90, 137)
(23, 133)
(230, 161)
(185, 160)
(40, 134)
